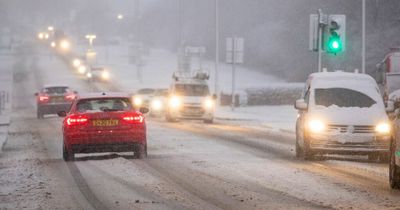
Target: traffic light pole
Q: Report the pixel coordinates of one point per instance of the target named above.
(319, 40)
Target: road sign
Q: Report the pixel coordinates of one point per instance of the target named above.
(234, 50)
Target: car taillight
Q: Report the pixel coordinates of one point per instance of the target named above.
(76, 120)
(70, 97)
(43, 98)
(133, 118)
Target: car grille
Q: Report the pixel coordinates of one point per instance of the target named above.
(192, 111)
(351, 128)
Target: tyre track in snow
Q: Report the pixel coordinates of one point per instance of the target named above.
(354, 179)
(72, 167)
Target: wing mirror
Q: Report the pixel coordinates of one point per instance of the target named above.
(36, 94)
(301, 105)
(144, 110)
(62, 113)
(389, 106)
(76, 92)
(214, 96)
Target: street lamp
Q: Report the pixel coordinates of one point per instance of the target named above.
(120, 16)
(50, 28)
(90, 37)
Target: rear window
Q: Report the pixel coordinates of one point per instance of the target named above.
(56, 90)
(104, 105)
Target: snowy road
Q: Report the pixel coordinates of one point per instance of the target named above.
(190, 165)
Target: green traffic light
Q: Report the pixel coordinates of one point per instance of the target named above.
(334, 43)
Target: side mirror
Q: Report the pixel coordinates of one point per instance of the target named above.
(76, 92)
(214, 96)
(144, 110)
(36, 94)
(301, 105)
(62, 113)
(390, 106)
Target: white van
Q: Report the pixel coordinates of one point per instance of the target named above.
(189, 98)
(342, 113)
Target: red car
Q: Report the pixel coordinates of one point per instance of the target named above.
(103, 122)
(54, 98)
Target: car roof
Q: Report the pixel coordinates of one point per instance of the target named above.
(103, 95)
(54, 86)
(339, 75)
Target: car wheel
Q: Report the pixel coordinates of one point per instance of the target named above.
(384, 158)
(140, 151)
(68, 155)
(169, 118)
(299, 151)
(373, 157)
(394, 170)
(308, 154)
(209, 121)
(39, 114)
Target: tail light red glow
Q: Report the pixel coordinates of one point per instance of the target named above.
(43, 98)
(133, 118)
(70, 97)
(76, 120)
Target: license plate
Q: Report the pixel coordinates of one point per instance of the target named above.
(105, 122)
(57, 99)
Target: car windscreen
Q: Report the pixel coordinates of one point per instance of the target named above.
(56, 90)
(342, 97)
(145, 91)
(192, 90)
(103, 105)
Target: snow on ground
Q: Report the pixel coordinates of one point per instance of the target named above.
(160, 65)
(6, 62)
(279, 117)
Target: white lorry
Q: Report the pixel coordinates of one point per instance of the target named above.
(189, 98)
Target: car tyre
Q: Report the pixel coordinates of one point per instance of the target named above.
(140, 151)
(308, 154)
(169, 118)
(299, 151)
(208, 121)
(39, 114)
(394, 170)
(68, 155)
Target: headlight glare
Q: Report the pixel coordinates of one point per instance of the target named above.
(209, 103)
(316, 126)
(174, 102)
(137, 101)
(156, 104)
(383, 128)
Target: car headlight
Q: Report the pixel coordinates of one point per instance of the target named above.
(209, 103)
(53, 44)
(137, 101)
(383, 128)
(65, 45)
(316, 126)
(156, 104)
(89, 75)
(175, 102)
(76, 62)
(82, 70)
(105, 75)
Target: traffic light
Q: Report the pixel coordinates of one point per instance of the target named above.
(336, 34)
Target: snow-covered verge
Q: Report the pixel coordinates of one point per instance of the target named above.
(6, 78)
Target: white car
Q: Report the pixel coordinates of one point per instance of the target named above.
(342, 113)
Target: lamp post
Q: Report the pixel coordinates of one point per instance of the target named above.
(90, 37)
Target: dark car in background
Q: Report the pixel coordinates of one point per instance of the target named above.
(54, 98)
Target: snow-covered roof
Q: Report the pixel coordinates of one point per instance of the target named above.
(340, 75)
